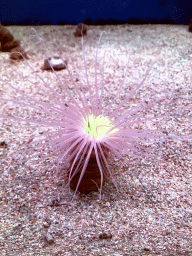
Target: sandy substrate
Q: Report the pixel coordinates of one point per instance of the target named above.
(152, 212)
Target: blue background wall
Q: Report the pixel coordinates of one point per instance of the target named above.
(55, 12)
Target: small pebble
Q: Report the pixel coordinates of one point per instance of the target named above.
(18, 53)
(105, 235)
(147, 249)
(56, 62)
(3, 144)
(54, 202)
(46, 224)
(48, 238)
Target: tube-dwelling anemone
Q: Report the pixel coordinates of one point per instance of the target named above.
(89, 159)
(84, 131)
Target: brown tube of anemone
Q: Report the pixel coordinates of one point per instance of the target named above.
(91, 180)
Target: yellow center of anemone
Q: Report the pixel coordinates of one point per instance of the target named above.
(98, 126)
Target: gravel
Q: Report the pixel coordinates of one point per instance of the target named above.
(152, 212)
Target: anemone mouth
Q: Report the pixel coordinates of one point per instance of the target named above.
(99, 126)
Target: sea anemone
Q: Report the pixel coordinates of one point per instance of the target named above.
(84, 126)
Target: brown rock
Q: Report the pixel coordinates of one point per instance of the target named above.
(190, 26)
(81, 30)
(7, 40)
